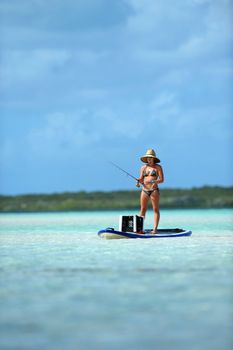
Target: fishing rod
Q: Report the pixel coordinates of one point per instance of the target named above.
(126, 172)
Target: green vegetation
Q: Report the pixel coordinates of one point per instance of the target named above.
(204, 197)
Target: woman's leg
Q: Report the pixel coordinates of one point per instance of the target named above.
(144, 202)
(155, 204)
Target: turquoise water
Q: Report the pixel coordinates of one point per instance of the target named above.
(62, 287)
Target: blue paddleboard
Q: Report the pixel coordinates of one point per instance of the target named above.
(110, 233)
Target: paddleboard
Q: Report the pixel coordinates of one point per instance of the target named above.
(111, 233)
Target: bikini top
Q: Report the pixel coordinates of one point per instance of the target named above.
(152, 173)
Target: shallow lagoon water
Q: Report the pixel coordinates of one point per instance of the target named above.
(62, 287)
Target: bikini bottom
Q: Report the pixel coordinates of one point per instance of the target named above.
(149, 192)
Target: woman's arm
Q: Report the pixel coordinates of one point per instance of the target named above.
(160, 175)
(141, 178)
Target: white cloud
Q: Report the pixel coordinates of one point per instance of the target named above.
(165, 113)
(26, 66)
(164, 34)
(61, 133)
(64, 134)
(119, 124)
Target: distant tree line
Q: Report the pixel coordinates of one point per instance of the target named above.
(204, 197)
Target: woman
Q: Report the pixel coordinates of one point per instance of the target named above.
(151, 175)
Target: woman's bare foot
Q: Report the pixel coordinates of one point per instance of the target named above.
(153, 232)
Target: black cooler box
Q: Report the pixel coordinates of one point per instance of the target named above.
(131, 223)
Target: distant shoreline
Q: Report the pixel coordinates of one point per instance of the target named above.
(171, 198)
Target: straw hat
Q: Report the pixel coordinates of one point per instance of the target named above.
(150, 153)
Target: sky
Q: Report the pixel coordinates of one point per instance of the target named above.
(85, 82)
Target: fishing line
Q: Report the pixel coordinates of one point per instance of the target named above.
(124, 171)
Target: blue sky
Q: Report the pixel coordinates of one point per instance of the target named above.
(88, 81)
